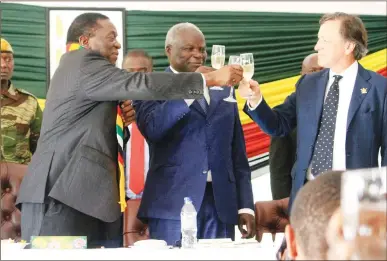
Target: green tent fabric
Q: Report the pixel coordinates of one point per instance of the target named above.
(279, 41)
(24, 26)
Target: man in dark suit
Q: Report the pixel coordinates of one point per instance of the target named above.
(197, 150)
(340, 112)
(70, 187)
(283, 149)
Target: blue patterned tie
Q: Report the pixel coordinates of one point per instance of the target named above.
(323, 151)
(203, 103)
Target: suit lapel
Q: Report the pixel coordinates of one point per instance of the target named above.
(360, 91)
(320, 95)
(216, 98)
(195, 105)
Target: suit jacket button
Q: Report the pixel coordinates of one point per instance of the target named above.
(204, 172)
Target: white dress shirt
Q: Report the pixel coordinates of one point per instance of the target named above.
(207, 97)
(346, 86)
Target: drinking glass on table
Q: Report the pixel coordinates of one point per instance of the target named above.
(233, 59)
(218, 57)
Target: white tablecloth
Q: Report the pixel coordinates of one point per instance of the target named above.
(249, 252)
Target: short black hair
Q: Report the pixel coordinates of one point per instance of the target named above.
(138, 53)
(82, 25)
(312, 209)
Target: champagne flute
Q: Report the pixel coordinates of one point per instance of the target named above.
(247, 63)
(218, 57)
(233, 59)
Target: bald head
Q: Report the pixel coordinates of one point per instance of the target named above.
(310, 64)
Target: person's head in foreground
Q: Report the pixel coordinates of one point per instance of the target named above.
(312, 209)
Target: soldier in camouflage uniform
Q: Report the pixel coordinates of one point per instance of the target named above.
(21, 114)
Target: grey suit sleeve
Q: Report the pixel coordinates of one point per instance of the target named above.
(102, 81)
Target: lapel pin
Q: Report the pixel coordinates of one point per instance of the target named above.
(363, 90)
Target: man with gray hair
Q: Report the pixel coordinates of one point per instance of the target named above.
(197, 150)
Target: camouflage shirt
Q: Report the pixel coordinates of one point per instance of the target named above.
(21, 118)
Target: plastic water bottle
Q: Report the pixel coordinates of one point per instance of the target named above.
(188, 224)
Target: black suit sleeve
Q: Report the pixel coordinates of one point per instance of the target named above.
(281, 160)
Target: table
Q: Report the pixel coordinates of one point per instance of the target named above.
(202, 253)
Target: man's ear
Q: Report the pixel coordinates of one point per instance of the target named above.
(84, 41)
(168, 50)
(291, 242)
(349, 47)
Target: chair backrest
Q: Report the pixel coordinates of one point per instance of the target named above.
(10, 179)
(134, 229)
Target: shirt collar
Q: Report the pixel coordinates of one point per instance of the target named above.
(12, 89)
(173, 70)
(350, 72)
(11, 92)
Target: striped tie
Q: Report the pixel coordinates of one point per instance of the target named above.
(120, 158)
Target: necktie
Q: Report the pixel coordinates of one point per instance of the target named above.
(323, 151)
(120, 157)
(203, 104)
(137, 161)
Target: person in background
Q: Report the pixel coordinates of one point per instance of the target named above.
(136, 150)
(283, 149)
(138, 60)
(21, 115)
